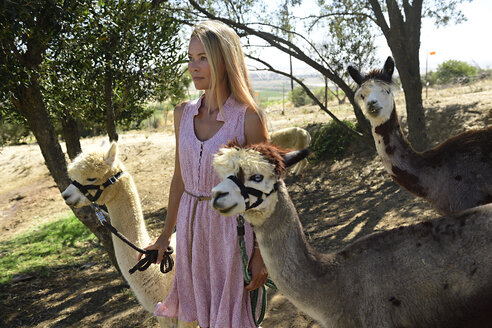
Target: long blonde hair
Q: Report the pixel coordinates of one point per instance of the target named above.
(223, 50)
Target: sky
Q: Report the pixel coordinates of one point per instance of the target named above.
(470, 41)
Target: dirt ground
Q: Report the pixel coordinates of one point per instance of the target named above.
(337, 202)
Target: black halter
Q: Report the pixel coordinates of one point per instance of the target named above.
(246, 191)
(167, 262)
(100, 188)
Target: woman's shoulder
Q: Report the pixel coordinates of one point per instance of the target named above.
(254, 126)
(251, 116)
(254, 116)
(180, 107)
(178, 113)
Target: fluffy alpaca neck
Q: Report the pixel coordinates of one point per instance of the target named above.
(296, 268)
(149, 286)
(126, 216)
(399, 159)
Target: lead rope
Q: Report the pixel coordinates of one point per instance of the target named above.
(247, 276)
(167, 262)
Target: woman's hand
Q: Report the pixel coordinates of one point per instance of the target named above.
(259, 272)
(160, 244)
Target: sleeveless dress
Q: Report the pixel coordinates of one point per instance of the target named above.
(208, 283)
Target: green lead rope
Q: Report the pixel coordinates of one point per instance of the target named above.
(247, 276)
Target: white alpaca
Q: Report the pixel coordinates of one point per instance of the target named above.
(432, 274)
(294, 138)
(121, 198)
(453, 176)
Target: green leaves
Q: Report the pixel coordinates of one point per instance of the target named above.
(444, 12)
(453, 71)
(67, 44)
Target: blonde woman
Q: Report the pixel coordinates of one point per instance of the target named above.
(208, 284)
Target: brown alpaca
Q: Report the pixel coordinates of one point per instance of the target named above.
(430, 274)
(453, 176)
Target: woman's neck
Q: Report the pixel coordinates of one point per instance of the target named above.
(212, 103)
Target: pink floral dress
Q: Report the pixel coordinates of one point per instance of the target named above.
(208, 284)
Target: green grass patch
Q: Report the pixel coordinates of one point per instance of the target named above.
(60, 243)
(272, 93)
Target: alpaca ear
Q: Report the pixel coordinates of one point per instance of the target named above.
(295, 156)
(355, 74)
(110, 155)
(389, 68)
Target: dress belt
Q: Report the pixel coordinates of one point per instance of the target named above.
(195, 204)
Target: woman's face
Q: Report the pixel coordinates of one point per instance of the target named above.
(198, 65)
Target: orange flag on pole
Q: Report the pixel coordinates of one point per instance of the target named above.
(432, 53)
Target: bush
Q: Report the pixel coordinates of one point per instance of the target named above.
(320, 94)
(299, 97)
(12, 133)
(453, 71)
(331, 140)
(159, 117)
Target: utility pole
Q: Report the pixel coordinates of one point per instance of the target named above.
(426, 74)
(283, 96)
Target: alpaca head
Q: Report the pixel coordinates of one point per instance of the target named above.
(376, 91)
(249, 179)
(91, 168)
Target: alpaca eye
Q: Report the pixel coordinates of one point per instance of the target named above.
(362, 97)
(388, 91)
(91, 179)
(256, 178)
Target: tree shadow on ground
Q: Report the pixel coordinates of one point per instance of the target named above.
(349, 200)
(155, 220)
(445, 122)
(79, 296)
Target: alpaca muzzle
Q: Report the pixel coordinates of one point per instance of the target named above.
(74, 197)
(217, 197)
(373, 107)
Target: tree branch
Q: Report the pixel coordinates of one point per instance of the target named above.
(380, 20)
(308, 92)
(394, 13)
(335, 14)
(299, 35)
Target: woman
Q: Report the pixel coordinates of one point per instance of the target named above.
(208, 284)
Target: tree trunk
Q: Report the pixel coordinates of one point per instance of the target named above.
(30, 104)
(405, 46)
(71, 134)
(403, 37)
(417, 133)
(108, 95)
(364, 124)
